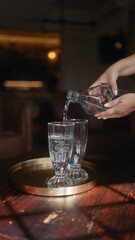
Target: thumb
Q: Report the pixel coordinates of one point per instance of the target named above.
(111, 103)
(113, 83)
(114, 87)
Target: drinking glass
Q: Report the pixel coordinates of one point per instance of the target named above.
(80, 143)
(60, 139)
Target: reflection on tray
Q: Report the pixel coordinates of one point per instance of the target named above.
(31, 176)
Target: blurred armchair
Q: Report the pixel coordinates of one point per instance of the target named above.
(16, 124)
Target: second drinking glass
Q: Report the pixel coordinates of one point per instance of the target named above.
(80, 142)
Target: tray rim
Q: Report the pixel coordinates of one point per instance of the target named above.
(44, 191)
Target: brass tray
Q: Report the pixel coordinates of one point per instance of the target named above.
(31, 176)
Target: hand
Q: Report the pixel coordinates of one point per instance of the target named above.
(109, 77)
(122, 68)
(119, 107)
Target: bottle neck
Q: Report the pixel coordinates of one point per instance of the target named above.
(73, 96)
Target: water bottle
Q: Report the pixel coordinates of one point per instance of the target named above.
(92, 100)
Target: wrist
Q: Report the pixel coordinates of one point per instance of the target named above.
(126, 66)
(131, 101)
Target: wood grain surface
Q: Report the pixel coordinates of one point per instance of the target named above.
(104, 212)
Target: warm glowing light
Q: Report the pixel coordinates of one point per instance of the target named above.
(118, 45)
(23, 84)
(52, 55)
(46, 39)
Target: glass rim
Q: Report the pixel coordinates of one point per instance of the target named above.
(77, 120)
(60, 123)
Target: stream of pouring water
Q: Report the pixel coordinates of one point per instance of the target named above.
(65, 112)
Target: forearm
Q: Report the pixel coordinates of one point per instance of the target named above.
(122, 68)
(125, 66)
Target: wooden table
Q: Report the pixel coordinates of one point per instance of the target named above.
(104, 212)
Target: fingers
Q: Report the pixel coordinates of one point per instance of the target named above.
(110, 77)
(110, 113)
(110, 82)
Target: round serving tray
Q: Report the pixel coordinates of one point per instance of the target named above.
(31, 176)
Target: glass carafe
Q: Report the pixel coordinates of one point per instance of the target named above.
(92, 100)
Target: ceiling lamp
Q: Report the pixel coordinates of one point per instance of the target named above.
(52, 55)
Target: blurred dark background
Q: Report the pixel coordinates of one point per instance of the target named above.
(50, 46)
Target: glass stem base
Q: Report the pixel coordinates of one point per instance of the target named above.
(57, 182)
(77, 173)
